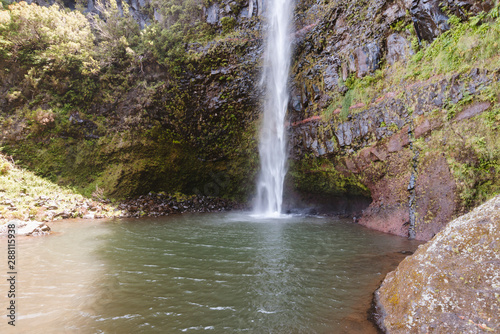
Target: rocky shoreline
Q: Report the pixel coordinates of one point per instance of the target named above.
(151, 205)
(27, 197)
(29, 228)
(161, 204)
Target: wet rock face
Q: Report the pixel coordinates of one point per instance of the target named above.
(451, 284)
(465, 8)
(374, 146)
(352, 39)
(429, 20)
(67, 3)
(237, 9)
(137, 8)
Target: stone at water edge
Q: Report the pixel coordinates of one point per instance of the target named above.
(89, 215)
(26, 228)
(451, 284)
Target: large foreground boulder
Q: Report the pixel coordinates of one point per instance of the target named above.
(451, 284)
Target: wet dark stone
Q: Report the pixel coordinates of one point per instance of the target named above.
(296, 102)
(367, 59)
(155, 205)
(428, 19)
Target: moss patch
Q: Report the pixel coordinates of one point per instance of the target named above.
(319, 175)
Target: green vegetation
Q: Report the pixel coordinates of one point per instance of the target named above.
(474, 160)
(23, 195)
(467, 45)
(360, 90)
(101, 103)
(346, 104)
(54, 49)
(47, 39)
(228, 24)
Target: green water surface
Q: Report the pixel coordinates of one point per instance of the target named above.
(214, 273)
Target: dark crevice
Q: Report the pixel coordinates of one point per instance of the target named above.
(412, 202)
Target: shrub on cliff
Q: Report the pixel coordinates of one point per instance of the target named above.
(116, 32)
(47, 38)
(166, 45)
(178, 22)
(187, 13)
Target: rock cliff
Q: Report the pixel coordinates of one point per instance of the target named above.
(364, 121)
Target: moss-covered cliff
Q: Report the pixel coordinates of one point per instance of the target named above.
(94, 104)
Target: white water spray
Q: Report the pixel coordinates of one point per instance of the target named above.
(272, 146)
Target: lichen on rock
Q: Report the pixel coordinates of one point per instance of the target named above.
(451, 284)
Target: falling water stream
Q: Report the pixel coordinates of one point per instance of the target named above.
(272, 146)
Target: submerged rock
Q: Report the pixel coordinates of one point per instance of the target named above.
(451, 284)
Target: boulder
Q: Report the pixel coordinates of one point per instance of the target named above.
(90, 215)
(473, 110)
(331, 77)
(451, 284)
(398, 49)
(367, 59)
(398, 141)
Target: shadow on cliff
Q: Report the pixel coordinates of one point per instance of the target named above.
(344, 206)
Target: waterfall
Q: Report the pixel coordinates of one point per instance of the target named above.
(272, 145)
